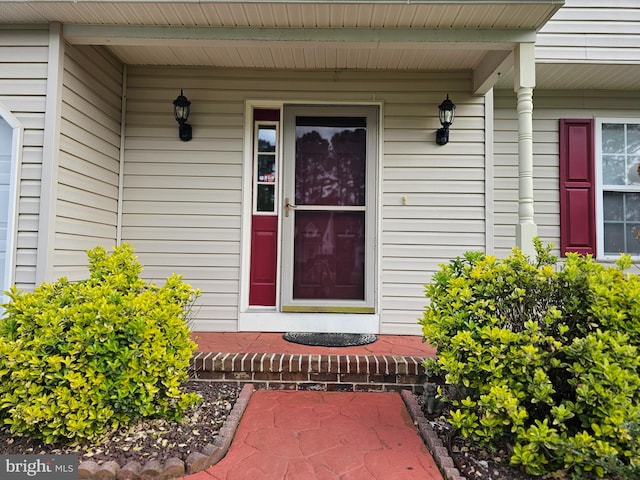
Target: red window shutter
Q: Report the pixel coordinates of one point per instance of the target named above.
(577, 187)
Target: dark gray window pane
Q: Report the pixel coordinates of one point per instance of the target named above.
(266, 198)
(632, 207)
(633, 170)
(633, 238)
(613, 207)
(266, 168)
(613, 238)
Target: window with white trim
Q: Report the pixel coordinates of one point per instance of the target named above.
(617, 148)
(265, 168)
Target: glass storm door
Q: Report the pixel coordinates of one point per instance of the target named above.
(328, 209)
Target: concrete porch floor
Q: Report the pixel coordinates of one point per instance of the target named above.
(259, 342)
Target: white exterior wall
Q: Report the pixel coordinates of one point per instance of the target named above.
(592, 31)
(89, 159)
(23, 86)
(182, 209)
(549, 107)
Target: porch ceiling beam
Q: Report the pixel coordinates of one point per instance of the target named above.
(487, 74)
(437, 2)
(175, 36)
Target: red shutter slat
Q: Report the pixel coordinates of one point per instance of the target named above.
(577, 187)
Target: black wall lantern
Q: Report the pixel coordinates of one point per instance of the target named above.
(446, 113)
(181, 107)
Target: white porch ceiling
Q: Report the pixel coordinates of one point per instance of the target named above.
(430, 14)
(427, 35)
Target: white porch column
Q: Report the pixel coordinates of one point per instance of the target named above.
(524, 81)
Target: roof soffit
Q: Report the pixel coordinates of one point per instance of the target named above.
(476, 35)
(438, 14)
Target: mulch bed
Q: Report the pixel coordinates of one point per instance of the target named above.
(473, 461)
(147, 442)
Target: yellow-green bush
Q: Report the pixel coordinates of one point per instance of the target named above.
(546, 359)
(81, 358)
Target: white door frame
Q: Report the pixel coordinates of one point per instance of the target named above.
(8, 275)
(272, 319)
(287, 302)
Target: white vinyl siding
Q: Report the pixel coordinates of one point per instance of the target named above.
(87, 190)
(182, 208)
(596, 31)
(182, 200)
(549, 107)
(23, 84)
(432, 196)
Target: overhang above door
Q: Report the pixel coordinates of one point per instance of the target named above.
(426, 35)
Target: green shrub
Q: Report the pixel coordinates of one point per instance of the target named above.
(78, 359)
(547, 360)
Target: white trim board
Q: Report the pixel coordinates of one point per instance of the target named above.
(296, 322)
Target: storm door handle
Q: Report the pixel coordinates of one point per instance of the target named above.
(287, 206)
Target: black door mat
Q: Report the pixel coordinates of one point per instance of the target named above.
(330, 339)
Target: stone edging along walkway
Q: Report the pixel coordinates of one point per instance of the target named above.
(174, 467)
(438, 451)
(214, 452)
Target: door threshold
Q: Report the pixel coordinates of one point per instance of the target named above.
(308, 322)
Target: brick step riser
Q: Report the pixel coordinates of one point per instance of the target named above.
(312, 372)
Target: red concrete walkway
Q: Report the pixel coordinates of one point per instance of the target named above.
(324, 435)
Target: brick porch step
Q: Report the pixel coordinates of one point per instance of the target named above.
(326, 372)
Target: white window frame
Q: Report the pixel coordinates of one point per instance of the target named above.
(276, 155)
(600, 186)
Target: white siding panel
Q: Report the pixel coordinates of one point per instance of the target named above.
(185, 261)
(83, 184)
(433, 200)
(22, 87)
(75, 243)
(447, 213)
(183, 208)
(21, 71)
(192, 195)
(196, 275)
(23, 84)
(598, 31)
(182, 182)
(84, 212)
(549, 107)
(87, 194)
(87, 198)
(90, 230)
